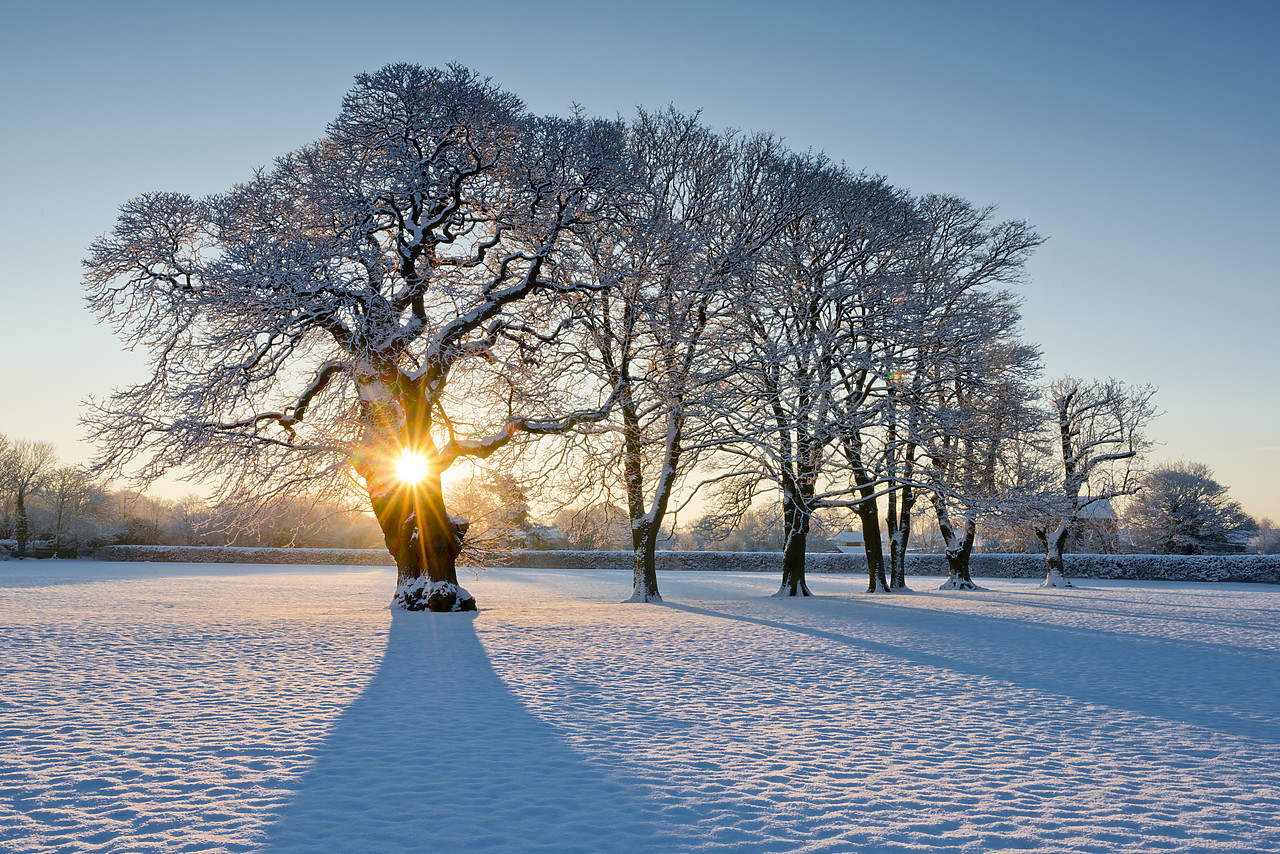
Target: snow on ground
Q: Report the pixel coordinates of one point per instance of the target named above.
(216, 708)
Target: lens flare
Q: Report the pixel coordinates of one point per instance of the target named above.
(411, 467)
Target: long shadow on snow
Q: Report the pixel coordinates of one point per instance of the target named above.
(1213, 686)
(1236, 616)
(437, 755)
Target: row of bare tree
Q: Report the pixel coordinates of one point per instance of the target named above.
(49, 509)
(446, 275)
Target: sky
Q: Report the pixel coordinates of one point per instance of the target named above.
(1138, 137)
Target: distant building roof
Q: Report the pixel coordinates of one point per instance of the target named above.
(1098, 510)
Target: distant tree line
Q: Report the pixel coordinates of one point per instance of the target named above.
(48, 509)
(1181, 510)
(619, 313)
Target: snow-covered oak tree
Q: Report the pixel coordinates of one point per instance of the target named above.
(988, 421)
(953, 312)
(384, 301)
(1183, 510)
(802, 374)
(709, 206)
(1100, 435)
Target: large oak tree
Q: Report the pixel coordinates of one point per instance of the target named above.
(397, 288)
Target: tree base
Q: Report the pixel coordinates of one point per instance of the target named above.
(642, 597)
(1055, 581)
(959, 584)
(440, 596)
(786, 591)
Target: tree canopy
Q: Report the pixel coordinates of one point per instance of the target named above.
(445, 275)
(1183, 510)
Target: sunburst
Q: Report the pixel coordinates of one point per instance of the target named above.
(411, 467)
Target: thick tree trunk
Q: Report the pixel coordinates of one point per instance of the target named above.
(793, 583)
(958, 577)
(425, 542)
(793, 551)
(958, 552)
(1053, 544)
(644, 563)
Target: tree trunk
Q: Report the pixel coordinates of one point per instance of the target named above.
(793, 551)
(1054, 569)
(958, 577)
(645, 526)
(869, 515)
(21, 528)
(898, 559)
(644, 563)
(425, 542)
(899, 538)
(958, 551)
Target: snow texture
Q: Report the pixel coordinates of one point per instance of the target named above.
(235, 708)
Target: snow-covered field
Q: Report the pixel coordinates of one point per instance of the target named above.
(211, 708)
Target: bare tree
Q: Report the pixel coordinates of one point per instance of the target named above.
(1183, 510)
(987, 424)
(645, 334)
(25, 469)
(709, 205)
(596, 527)
(137, 519)
(1266, 541)
(952, 311)
(1101, 440)
(386, 296)
(73, 500)
(804, 369)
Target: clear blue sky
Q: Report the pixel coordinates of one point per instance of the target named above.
(1140, 138)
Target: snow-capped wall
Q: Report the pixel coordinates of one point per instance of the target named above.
(227, 554)
(1254, 568)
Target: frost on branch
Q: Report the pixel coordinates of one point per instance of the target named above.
(1101, 441)
(402, 284)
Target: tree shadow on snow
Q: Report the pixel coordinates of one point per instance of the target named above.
(1235, 615)
(1215, 686)
(438, 755)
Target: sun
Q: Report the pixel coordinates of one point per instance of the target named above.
(411, 467)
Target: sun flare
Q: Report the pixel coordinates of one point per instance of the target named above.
(411, 467)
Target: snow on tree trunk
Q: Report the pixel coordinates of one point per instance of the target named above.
(423, 539)
(1054, 569)
(898, 555)
(900, 506)
(958, 550)
(644, 563)
(958, 577)
(793, 583)
(873, 546)
(793, 552)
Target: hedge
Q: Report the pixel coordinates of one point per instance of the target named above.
(1243, 568)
